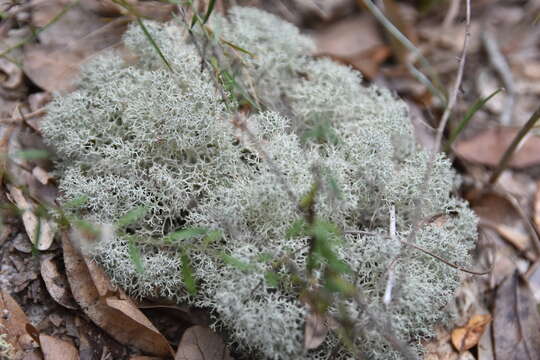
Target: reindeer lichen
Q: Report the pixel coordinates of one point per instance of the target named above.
(138, 134)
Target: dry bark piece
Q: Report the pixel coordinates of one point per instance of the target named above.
(57, 284)
(39, 230)
(201, 343)
(95, 294)
(488, 147)
(516, 322)
(315, 331)
(468, 336)
(56, 349)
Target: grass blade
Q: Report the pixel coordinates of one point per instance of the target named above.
(211, 6)
(133, 12)
(135, 255)
(392, 29)
(479, 103)
(513, 146)
(188, 278)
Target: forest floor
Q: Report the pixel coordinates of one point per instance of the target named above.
(43, 42)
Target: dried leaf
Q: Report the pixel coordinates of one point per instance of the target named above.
(56, 283)
(489, 146)
(354, 41)
(485, 346)
(536, 213)
(465, 338)
(39, 230)
(348, 36)
(54, 63)
(516, 322)
(201, 343)
(500, 214)
(106, 8)
(315, 331)
(95, 294)
(531, 69)
(515, 236)
(56, 349)
(42, 175)
(533, 278)
(13, 321)
(12, 85)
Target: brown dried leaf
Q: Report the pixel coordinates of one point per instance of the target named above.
(54, 63)
(33, 355)
(516, 322)
(42, 175)
(12, 85)
(13, 321)
(517, 237)
(349, 36)
(315, 331)
(489, 146)
(536, 210)
(354, 41)
(485, 346)
(39, 230)
(439, 347)
(500, 214)
(56, 349)
(95, 294)
(468, 336)
(531, 69)
(106, 8)
(533, 278)
(56, 283)
(201, 343)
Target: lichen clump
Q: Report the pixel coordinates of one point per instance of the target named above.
(140, 135)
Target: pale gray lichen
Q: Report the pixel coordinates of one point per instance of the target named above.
(139, 134)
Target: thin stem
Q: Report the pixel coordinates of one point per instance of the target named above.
(503, 164)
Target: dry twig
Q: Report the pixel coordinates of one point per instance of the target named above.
(499, 63)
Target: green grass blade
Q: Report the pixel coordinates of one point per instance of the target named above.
(479, 103)
(135, 255)
(146, 33)
(132, 217)
(503, 163)
(153, 42)
(211, 6)
(236, 47)
(188, 278)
